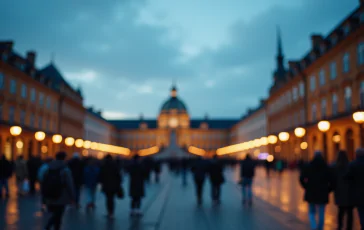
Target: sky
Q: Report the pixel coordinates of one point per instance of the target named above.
(125, 54)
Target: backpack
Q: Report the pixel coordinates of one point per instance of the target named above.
(53, 184)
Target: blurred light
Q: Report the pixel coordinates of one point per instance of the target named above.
(79, 143)
(39, 136)
(263, 156)
(283, 136)
(149, 151)
(256, 143)
(300, 132)
(196, 151)
(15, 130)
(57, 138)
(264, 141)
(323, 126)
(44, 149)
(272, 139)
(358, 117)
(19, 144)
(94, 145)
(87, 144)
(270, 158)
(85, 152)
(69, 141)
(304, 145)
(336, 138)
(100, 155)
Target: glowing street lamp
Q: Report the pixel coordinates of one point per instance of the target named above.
(57, 138)
(86, 144)
(299, 132)
(272, 139)
(79, 143)
(39, 136)
(304, 145)
(358, 117)
(283, 136)
(324, 126)
(69, 141)
(15, 131)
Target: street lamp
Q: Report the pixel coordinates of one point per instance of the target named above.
(283, 137)
(69, 141)
(39, 136)
(324, 126)
(359, 119)
(14, 131)
(79, 143)
(57, 138)
(272, 139)
(300, 132)
(86, 144)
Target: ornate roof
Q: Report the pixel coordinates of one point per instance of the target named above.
(174, 103)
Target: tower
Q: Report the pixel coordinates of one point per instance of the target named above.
(280, 72)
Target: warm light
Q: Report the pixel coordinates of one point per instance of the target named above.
(304, 145)
(283, 136)
(79, 143)
(323, 126)
(15, 131)
(256, 152)
(196, 151)
(44, 149)
(336, 138)
(19, 144)
(264, 141)
(299, 132)
(149, 151)
(94, 145)
(100, 155)
(39, 136)
(87, 144)
(272, 139)
(256, 143)
(69, 141)
(358, 117)
(57, 138)
(270, 158)
(85, 153)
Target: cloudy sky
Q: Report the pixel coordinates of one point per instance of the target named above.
(126, 53)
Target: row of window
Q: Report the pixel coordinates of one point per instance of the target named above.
(24, 91)
(287, 98)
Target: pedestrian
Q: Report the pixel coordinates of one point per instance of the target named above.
(247, 173)
(21, 173)
(137, 174)
(41, 172)
(356, 177)
(57, 190)
(157, 170)
(343, 191)
(75, 164)
(267, 165)
(5, 173)
(90, 178)
(216, 179)
(279, 166)
(199, 170)
(317, 181)
(110, 179)
(33, 165)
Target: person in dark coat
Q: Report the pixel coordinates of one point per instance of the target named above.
(90, 178)
(184, 168)
(110, 179)
(343, 191)
(216, 179)
(5, 173)
(33, 166)
(356, 177)
(137, 173)
(317, 181)
(247, 173)
(199, 170)
(76, 166)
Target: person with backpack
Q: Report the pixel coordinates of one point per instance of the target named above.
(216, 179)
(199, 170)
(57, 190)
(41, 172)
(90, 178)
(247, 173)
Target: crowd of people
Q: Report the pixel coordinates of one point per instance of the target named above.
(61, 182)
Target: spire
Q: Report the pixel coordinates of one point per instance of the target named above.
(174, 89)
(279, 43)
(280, 70)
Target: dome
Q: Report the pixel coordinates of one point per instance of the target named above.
(174, 103)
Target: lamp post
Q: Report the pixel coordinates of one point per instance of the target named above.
(324, 126)
(79, 143)
(272, 140)
(358, 117)
(300, 132)
(14, 131)
(283, 137)
(39, 136)
(57, 138)
(69, 141)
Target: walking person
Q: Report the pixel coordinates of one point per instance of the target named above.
(33, 165)
(90, 178)
(5, 173)
(199, 173)
(247, 173)
(110, 179)
(317, 181)
(356, 177)
(343, 191)
(216, 179)
(43, 168)
(76, 166)
(21, 173)
(138, 175)
(57, 190)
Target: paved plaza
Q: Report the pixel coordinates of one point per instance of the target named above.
(278, 206)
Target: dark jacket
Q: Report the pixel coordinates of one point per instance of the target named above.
(247, 168)
(356, 177)
(76, 167)
(33, 165)
(317, 180)
(137, 174)
(6, 168)
(216, 172)
(199, 170)
(343, 188)
(91, 176)
(110, 177)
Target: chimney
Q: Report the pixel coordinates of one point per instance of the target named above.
(8, 45)
(316, 40)
(31, 57)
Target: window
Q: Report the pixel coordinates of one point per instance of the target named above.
(11, 114)
(335, 107)
(347, 99)
(40, 122)
(22, 117)
(32, 95)
(333, 73)
(32, 120)
(41, 99)
(1, 80)
(361, 53)
(346, 30)
(295, 93)
(362, 94)
(322, 77)
(23, 91)
(47, 125)
(302, 116)
(302, 89)
(48, 102)
(312, 83)
(12, 86)
(346, 63)
(323, 108)
(333, 40)
(314, 112)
